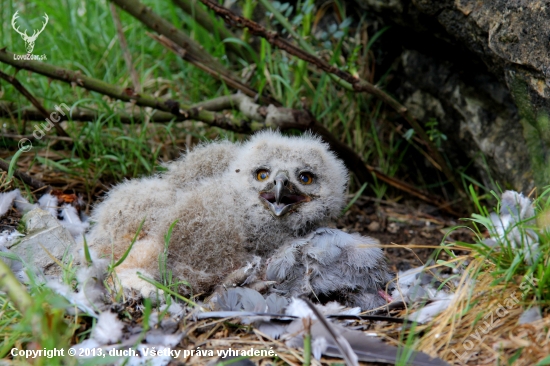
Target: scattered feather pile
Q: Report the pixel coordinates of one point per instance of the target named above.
(42, 243)
(61, 206)
(91, 292)
(418, 286)
(509, 226)
(151, 347)
(280, 318)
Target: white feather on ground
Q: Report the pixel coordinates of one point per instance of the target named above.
(6, 201)
(515, 208)
(49, 203)
(438, 304)
(67, 214)
(108, 329)
(14, 198)
(71, 220)
(91, 291)
(418, 286)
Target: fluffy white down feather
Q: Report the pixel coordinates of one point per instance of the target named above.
(515, 208)
(108, 328)
(68, 216)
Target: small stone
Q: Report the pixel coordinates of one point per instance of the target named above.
(374, 226)
(393, 228)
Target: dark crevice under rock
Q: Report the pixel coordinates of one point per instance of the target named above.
(482, 70)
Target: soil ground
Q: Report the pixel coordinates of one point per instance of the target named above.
(403, 225)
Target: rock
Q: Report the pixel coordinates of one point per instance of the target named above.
(374, 226)
(45, 237)
(481, 69)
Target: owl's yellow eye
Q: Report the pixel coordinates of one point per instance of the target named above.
(262, 174)
(306, 178)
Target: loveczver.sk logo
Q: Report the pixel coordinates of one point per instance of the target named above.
(29, 40)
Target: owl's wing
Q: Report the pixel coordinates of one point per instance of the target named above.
(202, 162)
(331, 262)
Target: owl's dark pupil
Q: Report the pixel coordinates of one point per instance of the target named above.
(305, 178)
(263, 176)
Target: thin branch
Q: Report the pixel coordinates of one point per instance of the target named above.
(124, 47)
(228, 79)
(203, 18)
(127, 94)
(413, 191)
(186, 47)
(11, 110)
(355, 83)
(27, 179)
(17, 85)
(153, 21)
(29, 137)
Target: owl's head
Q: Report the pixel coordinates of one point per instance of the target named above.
(297, 180)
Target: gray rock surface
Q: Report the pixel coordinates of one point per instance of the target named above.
(45, 238)
(499, 107)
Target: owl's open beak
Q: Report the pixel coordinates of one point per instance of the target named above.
(283, 197)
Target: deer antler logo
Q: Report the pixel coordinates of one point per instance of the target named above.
(29, 40)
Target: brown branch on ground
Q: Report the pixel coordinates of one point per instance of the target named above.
(124, 47)
(30, 137)
(357, 84)
(11, 110)
(27, 179)
(17, 85)
(413, 191)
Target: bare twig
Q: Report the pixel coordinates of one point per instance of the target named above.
(17, 85)
(205, 20)
(356, 84)
(228, 79)
(124, 47)
(413, 191)
(10, 109)
(127, 94)
(27, 179)
(153, 21)
(30, 137)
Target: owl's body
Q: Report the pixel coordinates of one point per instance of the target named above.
(232, 202)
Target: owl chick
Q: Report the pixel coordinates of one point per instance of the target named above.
(233, 203)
